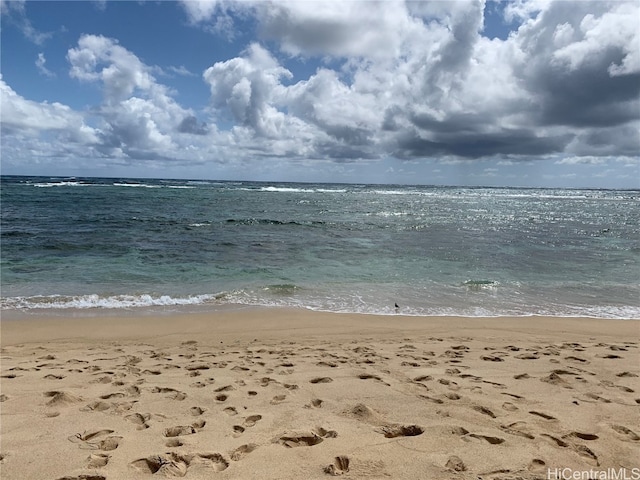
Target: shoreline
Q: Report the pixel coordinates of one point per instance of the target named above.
(280, 393)
(272, 321)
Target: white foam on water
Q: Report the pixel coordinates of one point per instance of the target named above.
(61, 184)
(136, 185)
(296, 297)
(97, 301)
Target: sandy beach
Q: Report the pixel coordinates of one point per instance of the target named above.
(294, 394)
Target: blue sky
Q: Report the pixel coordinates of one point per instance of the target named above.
(465, 92)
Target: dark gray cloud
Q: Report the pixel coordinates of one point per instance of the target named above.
(610, 141)
(477, 145)
(587, 97)
(343, 152)
(191, 125)
(574, 72)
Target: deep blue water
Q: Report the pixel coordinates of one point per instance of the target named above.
(126, 243)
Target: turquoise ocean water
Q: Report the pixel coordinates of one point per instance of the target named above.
(95, 244)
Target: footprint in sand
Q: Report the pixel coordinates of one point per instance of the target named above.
(112, 395)
(326, 433)
(516, 428)
(410, 364)
(140, 419)
(491, 358)
(277, 399)
(577, 359)
(179, 430)
(199, 424)
(321, 380)
(339, 466)
(107, 444)
(230, 411)
(306, 439)
(581, 436)
(484, 411)
(266, 381)
(103, 379)
(196, 411)
(543, 415)
(393, 431)
(495, 384)
(327, 364)
(122, 407)
(537, 465)
(86, 436)
(176, 465)
(75, 361)
(625, 388)
(173, 393)
(368, 376)
(97, 460)
(627, 433)
(555, 440)
(432, 399)
(238, 368)
(595, 397)
(226, 388)
(174, 442)
(61, 398)
(587, 453)
(243, 450)
(554, 378)
(197, 366)
(251, 420)
(98, 406)
(132, 391)
(487, 438)
(456, 464)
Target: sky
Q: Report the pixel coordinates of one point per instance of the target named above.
(530, 93)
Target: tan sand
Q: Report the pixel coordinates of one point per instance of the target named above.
(288, 394)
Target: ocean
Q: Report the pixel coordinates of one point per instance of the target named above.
(116, 244)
